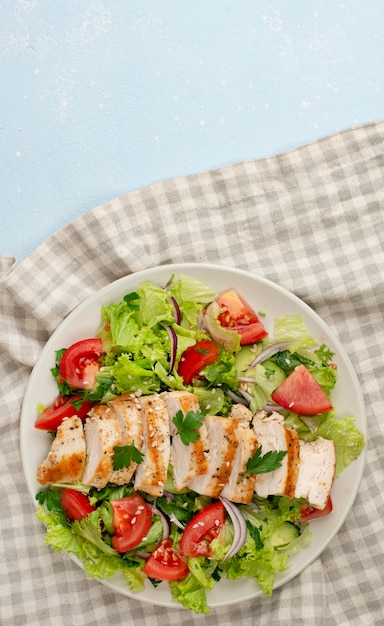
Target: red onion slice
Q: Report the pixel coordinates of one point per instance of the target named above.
(268, 352)
(237, 398)
(174, 520)
(173, 340)
(164, 520)
(273, 407)
(247, 396)
(176, 308)
(239, 527)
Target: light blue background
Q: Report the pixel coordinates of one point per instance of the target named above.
(99, 98)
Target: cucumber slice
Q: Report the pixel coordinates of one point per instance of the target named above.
(284, 534)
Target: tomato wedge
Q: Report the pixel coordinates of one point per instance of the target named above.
(52, 416)
(165, 563)
(201, 530)
(195, 358)
(238, 315)
(308, 512)
(132, 519)
(75, 504)
(300, 392)
(80, 363)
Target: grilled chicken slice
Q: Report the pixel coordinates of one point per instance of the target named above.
(316, 471)
(271, 435)
(102, 432)
(187, 461)
(66, 458)
(151, 474)
(128, 412)
(241, 413)
(222, 446)
(237, 488)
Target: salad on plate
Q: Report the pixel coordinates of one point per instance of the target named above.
(189, 444)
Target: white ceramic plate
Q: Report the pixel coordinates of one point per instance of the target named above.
(262, 294)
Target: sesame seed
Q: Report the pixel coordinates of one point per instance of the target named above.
(161, 484)
(133, 520)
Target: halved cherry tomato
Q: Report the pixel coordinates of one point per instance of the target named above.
(300, 392)
(201, 530)
(52, 416)
(165, 563)
(308, 512)
(132, 518)
(238, 315)
(80, 363)
(195, 358)
(75, 504)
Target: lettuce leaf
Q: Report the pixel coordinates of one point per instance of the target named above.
(190, 593)
(349, 441)
(84, 540)
(191, 296)
(292, 328)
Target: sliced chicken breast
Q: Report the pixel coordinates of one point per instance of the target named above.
(66, 458)
(128, 412)
(187, 461)
(151, 474)
(102, 432)
(237, 488)
(222, 445)
(316, 471)
(241, 413)
(272, 435)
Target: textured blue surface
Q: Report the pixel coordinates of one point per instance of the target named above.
(103, 97)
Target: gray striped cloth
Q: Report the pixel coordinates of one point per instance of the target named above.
(310, 220)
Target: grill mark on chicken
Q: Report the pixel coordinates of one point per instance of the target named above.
(66, 458)
(273, 435)
(222, 446)
(151, 474)
(293, 462)
(102, 432)
(240, 489)
(187, 461)
(128, 412)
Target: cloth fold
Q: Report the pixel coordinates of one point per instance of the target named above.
(312, 220)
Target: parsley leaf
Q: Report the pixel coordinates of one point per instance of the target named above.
(51, 499)
(287, 360)
(255, 534)
(187, 425)
(124, 455)
(259, 464)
